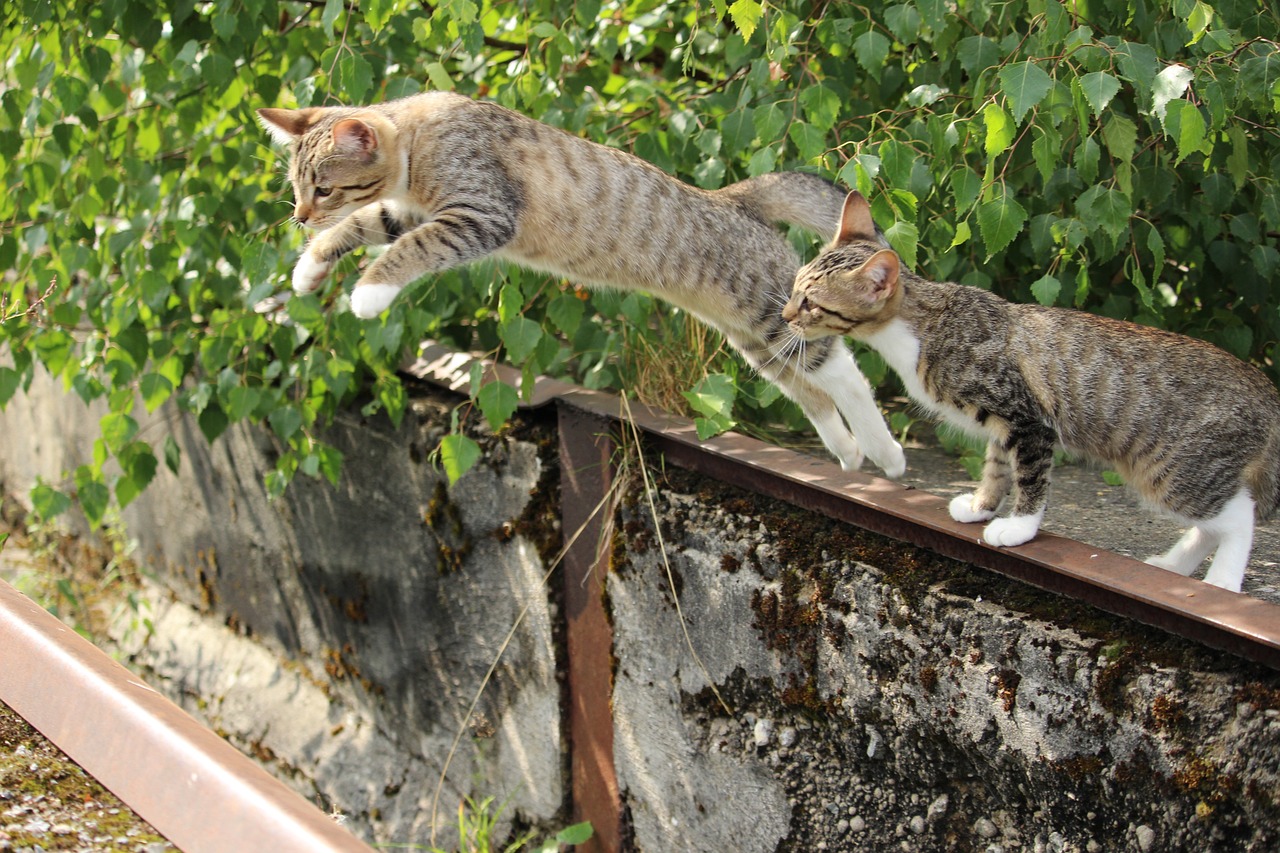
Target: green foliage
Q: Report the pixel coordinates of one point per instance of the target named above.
(1118, 157)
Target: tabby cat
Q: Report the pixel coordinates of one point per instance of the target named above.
(1193, 430)
(445, 180)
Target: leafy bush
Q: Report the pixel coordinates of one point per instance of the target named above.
(1119, 157)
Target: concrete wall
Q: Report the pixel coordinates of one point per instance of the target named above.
(822, 689)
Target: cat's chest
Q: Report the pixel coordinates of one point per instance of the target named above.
(900, 347)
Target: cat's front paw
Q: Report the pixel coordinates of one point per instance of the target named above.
(1011, 531)
(895, 464)
(370, 300)
(309, 274)
(964, 509)
(850, 459)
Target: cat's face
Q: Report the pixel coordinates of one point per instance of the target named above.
(852, 286)
(341, 160)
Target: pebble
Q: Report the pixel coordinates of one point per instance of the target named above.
(873, 742)
(1146, 838)
(787, 737)
(917, 824)
(984, 827)
(763, 732)
(857, 824)
(938, 808)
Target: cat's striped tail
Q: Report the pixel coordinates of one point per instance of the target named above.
(797, 198)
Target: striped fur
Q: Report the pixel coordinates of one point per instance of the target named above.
(1194, 431)
(445, 180)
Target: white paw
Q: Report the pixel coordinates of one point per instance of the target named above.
(850, 460)
(370, 300)
(895, 465)
(1014, 530)
(309, 274)
(962, 509)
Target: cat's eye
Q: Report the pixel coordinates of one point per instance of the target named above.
(324, 192)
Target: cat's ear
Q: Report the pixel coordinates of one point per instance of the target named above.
(855, 220)
(354, 137)
(285, 126)
(881, 274)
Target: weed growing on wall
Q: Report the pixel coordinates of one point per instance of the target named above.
(1118, 157)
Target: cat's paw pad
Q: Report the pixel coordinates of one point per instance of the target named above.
(1011, 531)
(963, 509)
(370, 300)
(309, 274)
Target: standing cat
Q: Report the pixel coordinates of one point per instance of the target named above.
(1194, 431)
(445, 179)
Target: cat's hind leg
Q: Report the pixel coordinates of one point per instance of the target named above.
(1234, 529)
(1187, 553)
(849, 390)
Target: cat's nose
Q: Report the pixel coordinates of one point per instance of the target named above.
(302, 213)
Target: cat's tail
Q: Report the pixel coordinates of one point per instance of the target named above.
(797, 198)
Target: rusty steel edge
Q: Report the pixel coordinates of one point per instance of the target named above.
(197, 790)
(1229, 621)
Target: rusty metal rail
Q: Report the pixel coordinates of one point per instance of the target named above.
(192, 786)
(1190, 608)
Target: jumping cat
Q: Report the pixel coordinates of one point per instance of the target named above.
(1193, 430)
(445, 179)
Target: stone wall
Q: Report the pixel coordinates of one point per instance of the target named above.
(818, 687)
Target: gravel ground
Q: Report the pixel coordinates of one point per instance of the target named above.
(47, 802)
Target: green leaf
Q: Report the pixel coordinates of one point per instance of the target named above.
(746, 16)
(578, 833)
(871, 49)
(1000, 129)
(92, 494)
(172, 454)
(1046, 289)
(566, 312)
(498, 402)
(332, 8)
(903, 20)
(904, 237)
(822, 106)
(458, 454)
(965, 188)
(713, 395)
(117, 430)
(285, 422)
(155, 389)
(355, 77)
(809, 140)
(999, 221)
(1099, 88)
(213, 421)
(1111, 478)
(10, 380)
(977, 54)
(1121, 137)
(1046, 150)
(1025, 84)
(1169, 84)
(520, 335)
(48, 502)
(1191, 134)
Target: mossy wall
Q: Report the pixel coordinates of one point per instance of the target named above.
(847, 693)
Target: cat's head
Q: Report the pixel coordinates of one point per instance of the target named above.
(853, 286)
(341, 160)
